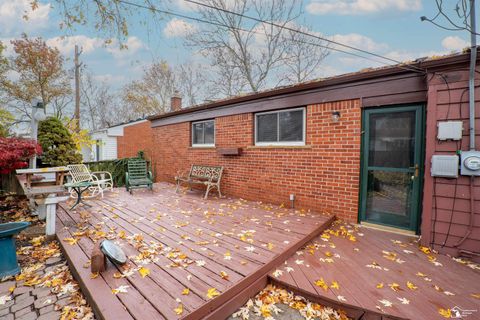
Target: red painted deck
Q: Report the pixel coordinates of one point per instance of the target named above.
(417, 283)
(185, 242)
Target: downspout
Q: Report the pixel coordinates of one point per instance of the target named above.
(471, 105)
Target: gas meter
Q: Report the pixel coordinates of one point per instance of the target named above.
(470, 163)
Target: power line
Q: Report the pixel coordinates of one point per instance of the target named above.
(300, 31)
(400, 65)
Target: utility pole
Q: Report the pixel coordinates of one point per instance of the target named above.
(77, 87)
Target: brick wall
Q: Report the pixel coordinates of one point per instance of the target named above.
(135, 138)
(323, 175)
(446, 202)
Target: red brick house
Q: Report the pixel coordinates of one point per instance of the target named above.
(358, 145)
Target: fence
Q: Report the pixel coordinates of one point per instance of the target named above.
(116, 167)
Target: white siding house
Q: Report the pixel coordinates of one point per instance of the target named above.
(106, 142)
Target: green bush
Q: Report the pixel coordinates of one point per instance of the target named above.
(116, 167)
(58, 147)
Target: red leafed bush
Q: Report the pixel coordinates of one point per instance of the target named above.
(14, 153)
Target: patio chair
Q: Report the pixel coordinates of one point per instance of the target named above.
(101, 180)
(137, 175)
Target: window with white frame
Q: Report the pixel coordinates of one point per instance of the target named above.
(285, 128)
(203, 133)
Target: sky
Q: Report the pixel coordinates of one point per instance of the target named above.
(388, 27)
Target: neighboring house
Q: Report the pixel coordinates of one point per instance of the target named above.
(357, 145)
(107, 141)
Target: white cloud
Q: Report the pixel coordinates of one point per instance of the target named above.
(13, 11)
(66, 45)
(454, 43)
(356, 7)
(358, 41)
(178, 28)
(133, 44)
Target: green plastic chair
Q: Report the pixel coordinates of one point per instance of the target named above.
(137, 175)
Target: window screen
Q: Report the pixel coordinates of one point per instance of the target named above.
(280, 127)
(203, 133)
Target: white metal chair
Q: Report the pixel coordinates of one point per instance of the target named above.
(101, 180)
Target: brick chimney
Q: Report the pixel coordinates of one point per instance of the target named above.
(176, 102)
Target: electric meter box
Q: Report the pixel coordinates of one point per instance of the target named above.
(445, 166)
(450, 130)
(470, 163)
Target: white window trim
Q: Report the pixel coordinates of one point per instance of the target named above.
(282, 143)
(203, 145)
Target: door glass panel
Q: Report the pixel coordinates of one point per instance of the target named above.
(392, 139)
(388, 192)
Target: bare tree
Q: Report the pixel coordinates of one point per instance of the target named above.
(460, 21)
(304, 55)
(233, 42)
(191, 79)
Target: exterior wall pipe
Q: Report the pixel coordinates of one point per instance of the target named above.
(471, 84)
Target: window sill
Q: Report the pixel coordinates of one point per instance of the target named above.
(280, 147)
(202, 147)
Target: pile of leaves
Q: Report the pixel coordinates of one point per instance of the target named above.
(15, 152)
(265, 304)
(15, 208)
(58, 279)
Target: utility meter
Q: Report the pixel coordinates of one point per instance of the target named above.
(470, 163)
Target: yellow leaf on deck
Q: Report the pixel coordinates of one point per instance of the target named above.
(270, 246)
(335, 285)
(394, 286)
(476, 295)
(321, 283)
(178, 310)
(380, 285)
(446, 313)
(224, 275)
(265, 311)
(11, 289)
(94, 275)
(144, 272)
(212, 293)
(71, 241)
(117, 275)
(411, 286)
(185, 291)
(122, 235)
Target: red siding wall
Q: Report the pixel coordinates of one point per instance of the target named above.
(135, 138)
(323, 175)
(446, 203)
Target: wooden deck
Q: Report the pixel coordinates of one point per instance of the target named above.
(362, 271)
(184, 242)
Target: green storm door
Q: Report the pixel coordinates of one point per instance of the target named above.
(392, 164)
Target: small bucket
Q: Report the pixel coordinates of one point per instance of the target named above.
(8, 263)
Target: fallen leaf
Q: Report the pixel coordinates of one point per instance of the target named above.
(385, 303)
(178, 310)
(394, 286)
(94, 275)
(277, 273)
(446, 313)
(404, 300)
(475, 295)
(121, 289)
(321, 283)
(144, 271)
(341, 298)
(4, 299)
(224, 275)
(380, 285)
(411, 286)
(71, 241)
(212, 293)
(185, 291)
(200, 263)
(335, 285)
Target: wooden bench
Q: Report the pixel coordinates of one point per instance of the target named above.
(137, 175)
(210, 176)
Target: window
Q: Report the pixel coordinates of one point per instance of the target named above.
(285, 128)
(203, 133)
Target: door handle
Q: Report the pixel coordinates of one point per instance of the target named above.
(416, 172)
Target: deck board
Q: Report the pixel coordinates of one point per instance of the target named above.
(358, 282)
(200, 229)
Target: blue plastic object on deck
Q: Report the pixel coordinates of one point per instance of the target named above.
(8, 261)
